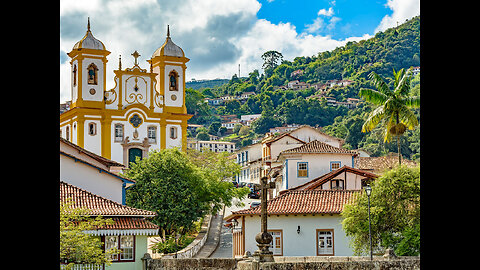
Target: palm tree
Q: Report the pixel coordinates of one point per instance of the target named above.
(394, 106)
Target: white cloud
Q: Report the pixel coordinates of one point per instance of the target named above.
(216, 35)
(402, 10)
(325, 12)
(317, 24)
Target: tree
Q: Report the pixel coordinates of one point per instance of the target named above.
(76, 246)
(203, 136)
(394, 213)
(264, 123)
(271, 59)
(393, 110)
(213, 128)
(170, 185)
(181, 188)
(217, 172)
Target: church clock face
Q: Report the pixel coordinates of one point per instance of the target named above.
(92, 91)
(174, 97)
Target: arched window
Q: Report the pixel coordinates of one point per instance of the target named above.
(173, 81)
(92, 129)
(173, 132)
(92, 74)
(74, 75)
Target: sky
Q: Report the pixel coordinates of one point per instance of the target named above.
(218, 35)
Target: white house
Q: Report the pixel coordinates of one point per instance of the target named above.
(302, 223)
(304, 220)
(92, 172)
(214, 146)
(272, 146)
(229, 125)
(302, 164)
(128, 233)
(250, 158)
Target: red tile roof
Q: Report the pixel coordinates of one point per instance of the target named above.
(97, 204)
(381, 164)
(305, 202)
(315, 147)
(129, 223)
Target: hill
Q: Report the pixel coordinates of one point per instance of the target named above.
(205, 83)
(395, 48)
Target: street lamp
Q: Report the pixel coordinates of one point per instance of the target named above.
(368, 190)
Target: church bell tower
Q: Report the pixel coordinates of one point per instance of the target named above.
(89, 61)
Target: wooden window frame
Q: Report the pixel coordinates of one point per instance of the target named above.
(281, 241)
(335, 162)
(333, 241)
(154, 139)
(117, 138)
(298, 169)
(119, 260)
(336, 187)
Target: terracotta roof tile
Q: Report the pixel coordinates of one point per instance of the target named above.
(380, 164)
(318, 147)
(306, 202)
(97, 204)
(129, 223)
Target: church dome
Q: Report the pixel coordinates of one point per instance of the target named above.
(89, 41)
(169, 48)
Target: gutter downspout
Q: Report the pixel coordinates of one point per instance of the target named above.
(124, 184)
(286, 173)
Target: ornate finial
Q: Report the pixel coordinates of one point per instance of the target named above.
(168, 31)
(136, 55)
(88, 24)
(120, 62)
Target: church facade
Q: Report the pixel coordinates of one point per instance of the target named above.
(144, 111)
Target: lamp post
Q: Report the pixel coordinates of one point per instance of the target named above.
(263, 238)
(368, 190)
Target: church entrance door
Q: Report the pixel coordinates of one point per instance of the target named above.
(133, 153)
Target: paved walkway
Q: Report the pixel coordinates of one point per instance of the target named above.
(225, 246)
(213, 237)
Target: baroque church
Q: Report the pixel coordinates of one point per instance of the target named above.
(144, 111)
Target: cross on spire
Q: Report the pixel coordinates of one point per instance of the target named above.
(168, 31)
(136, 55)
(88, 24)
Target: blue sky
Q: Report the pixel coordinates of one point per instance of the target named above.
(341, 18)
(218, 35)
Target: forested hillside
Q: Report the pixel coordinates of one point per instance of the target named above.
(395, 48)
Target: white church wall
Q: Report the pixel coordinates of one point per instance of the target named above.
(177, 142)
(92, 142)
(98, 93)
